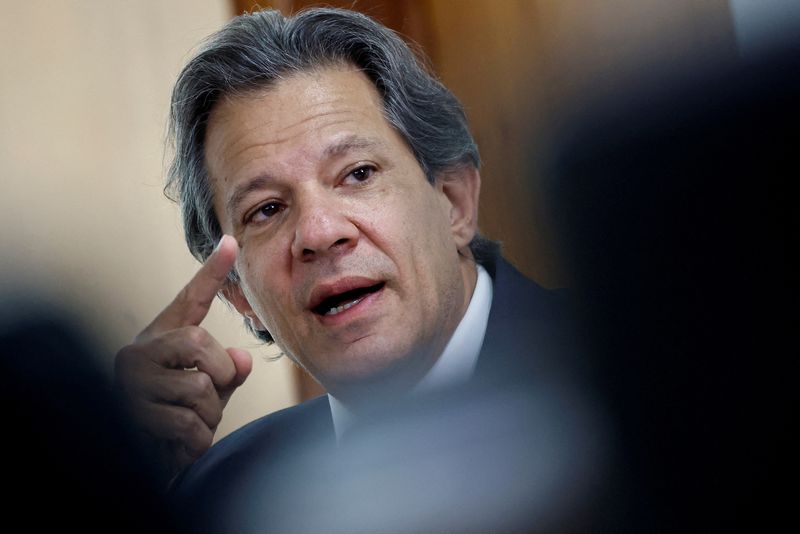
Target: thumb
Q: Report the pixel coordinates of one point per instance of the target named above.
(243, 363)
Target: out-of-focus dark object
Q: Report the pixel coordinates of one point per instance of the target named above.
(72, 459)
(468, 460)
(675, 211)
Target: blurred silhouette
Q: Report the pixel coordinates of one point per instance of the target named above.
(72, 459)
(673, 201)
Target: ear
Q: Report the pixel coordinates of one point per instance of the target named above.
(233, 294)
(461, 187)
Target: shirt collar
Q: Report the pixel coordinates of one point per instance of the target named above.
(458, 360)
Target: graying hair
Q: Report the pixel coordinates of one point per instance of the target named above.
(254, 51)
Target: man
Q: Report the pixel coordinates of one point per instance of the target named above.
(347, 176)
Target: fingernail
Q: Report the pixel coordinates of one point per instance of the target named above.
(219, 244)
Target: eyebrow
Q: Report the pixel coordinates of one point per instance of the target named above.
(351, 142)
(347, 144)
(240, 192)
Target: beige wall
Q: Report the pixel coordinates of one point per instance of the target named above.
(83, 105)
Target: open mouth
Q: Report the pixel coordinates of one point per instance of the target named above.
(336, 304)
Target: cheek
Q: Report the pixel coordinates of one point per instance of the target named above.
(422, 247)
(262, 291)
(408, 214)
(429, 228)
(436, 249)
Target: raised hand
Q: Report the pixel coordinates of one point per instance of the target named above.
(176, 377)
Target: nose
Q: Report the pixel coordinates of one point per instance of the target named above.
(323, 229)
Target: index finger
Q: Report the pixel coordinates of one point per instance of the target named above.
(191, 305)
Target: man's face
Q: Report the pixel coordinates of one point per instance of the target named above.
(349, 257)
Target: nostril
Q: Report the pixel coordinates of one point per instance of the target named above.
(341, 241)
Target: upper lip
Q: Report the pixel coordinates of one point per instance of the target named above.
(324, 291)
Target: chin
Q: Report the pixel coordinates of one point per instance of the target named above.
(392, 371)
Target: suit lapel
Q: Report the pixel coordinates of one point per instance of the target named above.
(526, 330)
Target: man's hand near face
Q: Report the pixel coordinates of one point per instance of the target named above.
(176, 376)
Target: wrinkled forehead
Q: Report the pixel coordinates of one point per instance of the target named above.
(261, 88)
(305, 105)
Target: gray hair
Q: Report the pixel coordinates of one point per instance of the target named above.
(254, 51)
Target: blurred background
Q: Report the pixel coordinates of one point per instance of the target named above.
(84, 101)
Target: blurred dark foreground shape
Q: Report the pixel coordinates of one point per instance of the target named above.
(676, 213)
(73, 461)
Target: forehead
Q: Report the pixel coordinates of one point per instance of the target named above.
(304, 106)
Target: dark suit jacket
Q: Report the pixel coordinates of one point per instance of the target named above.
(523, 338)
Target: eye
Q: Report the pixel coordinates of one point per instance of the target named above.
(360, 174)
(264, 212)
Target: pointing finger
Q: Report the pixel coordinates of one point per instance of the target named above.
(191, 305)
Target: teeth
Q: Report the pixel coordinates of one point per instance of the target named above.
(343, 307)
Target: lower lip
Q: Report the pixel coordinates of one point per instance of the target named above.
(352, 312)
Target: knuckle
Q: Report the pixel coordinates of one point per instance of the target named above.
(188, 424)
(214, 418)
(196, 336)
(141, 356)
(202, 385)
